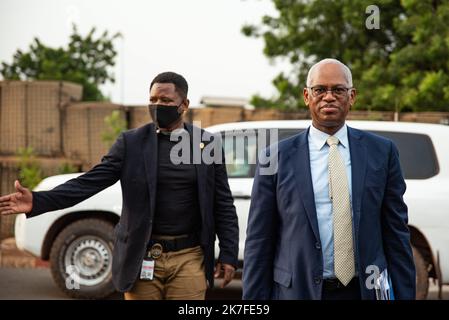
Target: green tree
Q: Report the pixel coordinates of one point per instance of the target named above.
(87, 61)
(67, 167)
(30, 172)
(400, 66)
(115, 124)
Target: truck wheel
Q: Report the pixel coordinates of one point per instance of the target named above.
(81, 259)
(422, 275)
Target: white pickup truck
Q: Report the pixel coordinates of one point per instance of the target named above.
(82, 236)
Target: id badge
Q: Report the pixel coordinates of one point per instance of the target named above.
(147, 271)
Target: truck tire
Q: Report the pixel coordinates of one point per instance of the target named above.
(422, 275)
(81, 259)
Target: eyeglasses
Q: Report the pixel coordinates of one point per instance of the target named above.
(338, 91)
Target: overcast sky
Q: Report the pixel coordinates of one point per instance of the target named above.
(200, 39)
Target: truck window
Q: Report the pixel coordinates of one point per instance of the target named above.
(240, 150)
(416, 154)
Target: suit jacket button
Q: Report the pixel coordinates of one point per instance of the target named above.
(318, 245)
(317, 280)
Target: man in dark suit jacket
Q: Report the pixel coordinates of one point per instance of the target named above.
(174, 207)
(295, 247)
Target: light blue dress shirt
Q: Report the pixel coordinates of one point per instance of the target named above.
(319, 155)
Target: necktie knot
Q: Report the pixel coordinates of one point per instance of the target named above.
(332, 141)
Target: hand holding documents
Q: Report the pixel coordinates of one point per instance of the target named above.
(383, 287)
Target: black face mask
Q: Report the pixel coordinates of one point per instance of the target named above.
(164, 115)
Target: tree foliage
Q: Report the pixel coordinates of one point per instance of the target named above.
(86, 60)
(67, 167)
(401, 66)
(115, 125)
(30, 172)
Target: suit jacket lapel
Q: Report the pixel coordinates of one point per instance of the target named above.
(358, 169)
(301, 165)
(149, 148)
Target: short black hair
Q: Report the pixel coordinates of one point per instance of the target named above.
(180, 83)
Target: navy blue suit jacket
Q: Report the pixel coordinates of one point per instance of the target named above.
(283, 257)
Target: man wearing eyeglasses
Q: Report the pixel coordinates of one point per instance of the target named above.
(331, 223)
(164, 247)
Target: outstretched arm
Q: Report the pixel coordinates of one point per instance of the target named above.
(104, 174)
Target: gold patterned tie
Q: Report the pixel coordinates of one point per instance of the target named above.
(341, 205)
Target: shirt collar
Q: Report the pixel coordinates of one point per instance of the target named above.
(319, 138)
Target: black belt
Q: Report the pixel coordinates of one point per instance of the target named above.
(334, 284)
(174, 243)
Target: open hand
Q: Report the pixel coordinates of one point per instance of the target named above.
(18, 202)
